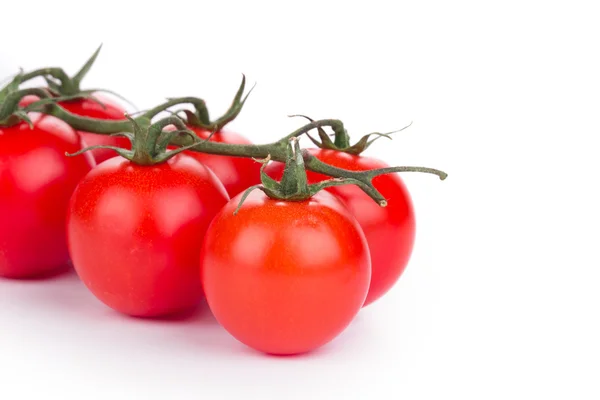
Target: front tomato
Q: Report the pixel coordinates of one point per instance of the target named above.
(36, 182)
(285, 277)
(135, 232)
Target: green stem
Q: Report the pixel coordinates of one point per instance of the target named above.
(390, 170)
(330, 170)
(335, 124)
(365, 177)
(10, 104)
(156, 129)
(68, 86)
(94, 125)
(199, 104)
(276, 150)
(342, 139)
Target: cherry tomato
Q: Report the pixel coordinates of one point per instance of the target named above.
(36, 182)
(108, 110)
(390, 231)
(236, 173)
(135, 233)
(285, 277)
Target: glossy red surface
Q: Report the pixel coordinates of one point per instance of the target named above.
(285, 277)
(36, 182)
(135, 233)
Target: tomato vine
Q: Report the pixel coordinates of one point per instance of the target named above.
(150, 140)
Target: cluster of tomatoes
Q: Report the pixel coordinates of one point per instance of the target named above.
(283, 277)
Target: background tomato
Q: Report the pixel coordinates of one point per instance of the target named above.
(285, 277)
(135, 232)
(236, 173)
(390, 231)
(85, 107)
(36, 182)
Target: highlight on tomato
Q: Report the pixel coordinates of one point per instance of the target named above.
(390, 230)
(290, 270)
(136, 225)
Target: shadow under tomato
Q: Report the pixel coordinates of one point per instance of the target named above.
(195, 330)
(66, 300)
(326, 349)
(199, 313)
(61, 291)
(46, 276)
(354, 335)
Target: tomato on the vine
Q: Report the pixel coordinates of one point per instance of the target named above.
(390, 231)
(285, 277)
(36, 182)
(236, 173)
(104, 108)
(135, 232)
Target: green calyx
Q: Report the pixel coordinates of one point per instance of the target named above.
(9, 103)
(294, 183)
(64, 87)
(60, 88)
(341, 140)
(10, 96)
(10, 88)
(59, 82)
(149, 141)
(201, 118)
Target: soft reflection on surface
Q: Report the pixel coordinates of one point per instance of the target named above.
(32, 177)
(309, 246)
(252, 244)
(312, 246)
(177, 210)
(111, 205)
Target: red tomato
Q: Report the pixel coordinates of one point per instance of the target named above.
(90, 108)
(36, 182)
(236, 173)
(135, 233)
(390, 231)
(285, 277)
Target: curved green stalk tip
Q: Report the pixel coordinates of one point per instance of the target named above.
(285, 149)
(245, 196)
(122, 152)
(78, 77)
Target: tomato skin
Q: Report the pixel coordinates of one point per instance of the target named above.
(135, 233)
(285, 277)
(91, 109)
(390, 231)
(236, 173)
(36, 182)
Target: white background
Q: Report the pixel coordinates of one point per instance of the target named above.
(501, 299)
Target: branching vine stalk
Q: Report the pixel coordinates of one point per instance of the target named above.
(150, 140)
(276, 151)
